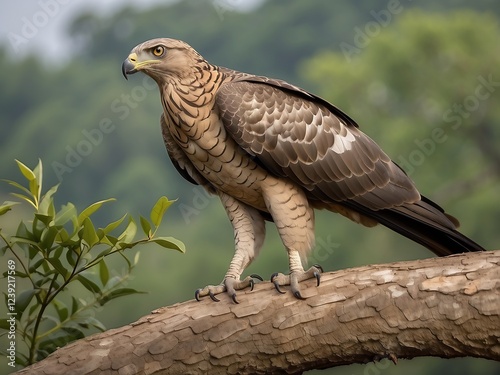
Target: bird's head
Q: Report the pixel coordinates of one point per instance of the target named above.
(161, 59)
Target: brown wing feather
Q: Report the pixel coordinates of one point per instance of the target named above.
(299, 137)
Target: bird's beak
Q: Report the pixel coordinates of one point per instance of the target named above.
(129, 65)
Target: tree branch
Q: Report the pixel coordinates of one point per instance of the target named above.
(446, 307)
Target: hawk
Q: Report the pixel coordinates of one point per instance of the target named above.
(274, 152)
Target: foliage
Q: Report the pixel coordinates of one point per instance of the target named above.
(62, 257)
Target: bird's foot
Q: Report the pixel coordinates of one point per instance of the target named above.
(294, 278)
(229, 285)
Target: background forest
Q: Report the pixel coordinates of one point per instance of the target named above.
(421, 78)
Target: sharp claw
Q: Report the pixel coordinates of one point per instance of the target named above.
(318, 266)
(197, 294)
(317, 275)
(255, 276)
(252, 283)
(277, 286)
(212, 296)
(233, 297)
(298, 295)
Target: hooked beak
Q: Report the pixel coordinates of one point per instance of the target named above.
(129, 65)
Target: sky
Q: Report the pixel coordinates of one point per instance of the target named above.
(38, 26)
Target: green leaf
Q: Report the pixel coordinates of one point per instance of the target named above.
(88, 234)
(88, 284)
(95, 323)
(46, 202)
(170, 243)
(136, 258)
(6, 207)
(62, 237)
(48, 236)
(25, 198)
(23, 300)
(27, 173)
(159, 210)
(146, 226)
(110, 227)
(19, 186)
(71, 257)
(36, 265)
(103, 272)
(118, 293)
(129, 233)
(38, 171)
(74, 305)
(66, 213)
(58, 266)
(44, 218)
(61, 309)
(91, 209)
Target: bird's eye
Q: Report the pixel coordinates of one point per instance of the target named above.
(158, 51)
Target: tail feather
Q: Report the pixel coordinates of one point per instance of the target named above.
(427, 224)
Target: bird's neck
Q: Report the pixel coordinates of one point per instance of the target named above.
(189, 99)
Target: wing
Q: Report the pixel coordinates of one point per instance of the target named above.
(300, 136)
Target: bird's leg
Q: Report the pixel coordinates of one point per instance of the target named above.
(297, 274)
(294, 219)
(249, 233)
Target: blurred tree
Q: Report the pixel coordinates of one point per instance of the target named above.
(422, 92)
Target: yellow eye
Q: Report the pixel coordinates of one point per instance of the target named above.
(158, 51)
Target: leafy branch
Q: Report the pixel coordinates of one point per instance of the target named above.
(60, 255)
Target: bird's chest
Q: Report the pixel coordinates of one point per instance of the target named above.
(203, 138)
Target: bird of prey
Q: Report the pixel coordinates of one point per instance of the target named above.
(274, 152)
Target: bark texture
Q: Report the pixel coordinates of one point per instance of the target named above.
(446, 307)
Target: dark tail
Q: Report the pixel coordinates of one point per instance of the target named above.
(426, 223)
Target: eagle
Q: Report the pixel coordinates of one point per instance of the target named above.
(274, 152)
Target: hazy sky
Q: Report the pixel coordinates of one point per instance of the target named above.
(38, 26)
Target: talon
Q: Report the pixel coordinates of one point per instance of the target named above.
(317, 275)
(318, 266)
(197, 294)
(252, 283)
(255, 276)
(298, 295)
(233, 297)
(212, 296)
(277, 286)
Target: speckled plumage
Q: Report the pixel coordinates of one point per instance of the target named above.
(273, 151)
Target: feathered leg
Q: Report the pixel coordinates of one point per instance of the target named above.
(294, 219)
(249, 233)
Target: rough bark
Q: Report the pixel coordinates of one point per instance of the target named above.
(445, 307)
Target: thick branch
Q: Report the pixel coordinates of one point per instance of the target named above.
(445, 307)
